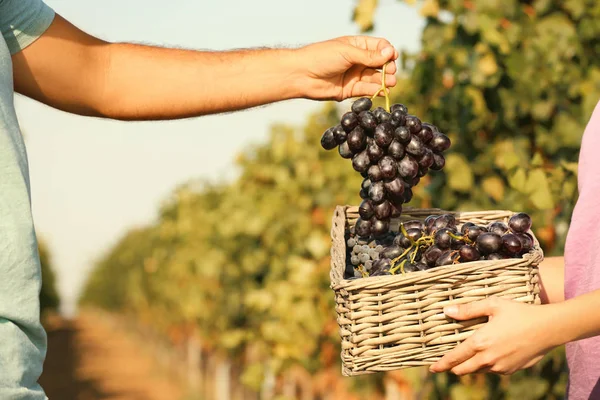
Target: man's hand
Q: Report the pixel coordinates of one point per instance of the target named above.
(71, 70)
(347, 67)
(517, 336)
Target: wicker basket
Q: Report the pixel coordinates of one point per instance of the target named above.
(395, 322)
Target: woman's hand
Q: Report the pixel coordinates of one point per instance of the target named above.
(517, 336)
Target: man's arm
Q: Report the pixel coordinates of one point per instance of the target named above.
(75, 72)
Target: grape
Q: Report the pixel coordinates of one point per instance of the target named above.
(364, 194)
(356, 249)
(445, 221)
(426, 159)
(402, 241)
(349, 121)
(380, 266)
(396, 150)
(357, 140)
(365, 248)
(520, 223)
(495, 257)
(446, 258)
(368, 265)
(351, 242)
(354, 260)
(422, 172)
(442, 238)
(402, 135)
(339, 134)
(498, 227)
(379, 227)
(328, 140)
(396, 211)
(488, 243)
(365, 210)
(473, 232)
(439, 143)
(374, 152)
(366, 183)
(398, 118)
(526, 241)
(415, 147)
(388, 167)
(425, 134)
(375, 174)
(362, 104)
(466, 225)
(408, 194)
(363, 227)
(383, 210)
(415, 181)
(413, 124)
(438, 162)
(431, 255)
(379, 248)
(414, 224)
(377, 192)
(408, 167)
(511, 244)
(383, 116)
(429, 223)
(392, 252)
(414, 234)
(394, 189)
(384, 134)
(360, 162)
(368, 121)
(430, 126)
(410, 267)
(345, 151)
(364, 257)
(400, 107)
(421, 266)
(469, 253)
(374, 254)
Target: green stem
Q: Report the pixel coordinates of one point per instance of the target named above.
(384, 88)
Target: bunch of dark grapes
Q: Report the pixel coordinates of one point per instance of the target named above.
(392, 151)
(438, 241)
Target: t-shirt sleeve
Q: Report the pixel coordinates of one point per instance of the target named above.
(23, 21)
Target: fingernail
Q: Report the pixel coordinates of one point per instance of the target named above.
(387, 52)
(432, 369)
(450, 310)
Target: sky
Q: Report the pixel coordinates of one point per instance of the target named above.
(93, 179)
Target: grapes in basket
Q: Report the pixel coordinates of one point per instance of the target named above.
(434, 242)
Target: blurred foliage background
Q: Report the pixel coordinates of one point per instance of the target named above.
(49, 299)
(245, 265)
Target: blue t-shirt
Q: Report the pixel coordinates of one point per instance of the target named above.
(22, 337)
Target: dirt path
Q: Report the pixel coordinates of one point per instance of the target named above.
(89, 359)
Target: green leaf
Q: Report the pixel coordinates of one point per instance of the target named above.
(518, 180)
(363, 14)
(540, 196)
(460, 176)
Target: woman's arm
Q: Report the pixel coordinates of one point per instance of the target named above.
(552, 280)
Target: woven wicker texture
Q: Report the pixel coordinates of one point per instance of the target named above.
(395, 322)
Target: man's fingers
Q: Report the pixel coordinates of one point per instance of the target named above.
(374, 76)
(473, 365)
(476, 309)
(364, 89)
(459, 355)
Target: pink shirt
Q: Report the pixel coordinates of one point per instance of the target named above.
(582, 262)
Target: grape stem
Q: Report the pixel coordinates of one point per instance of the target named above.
(384, 88)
